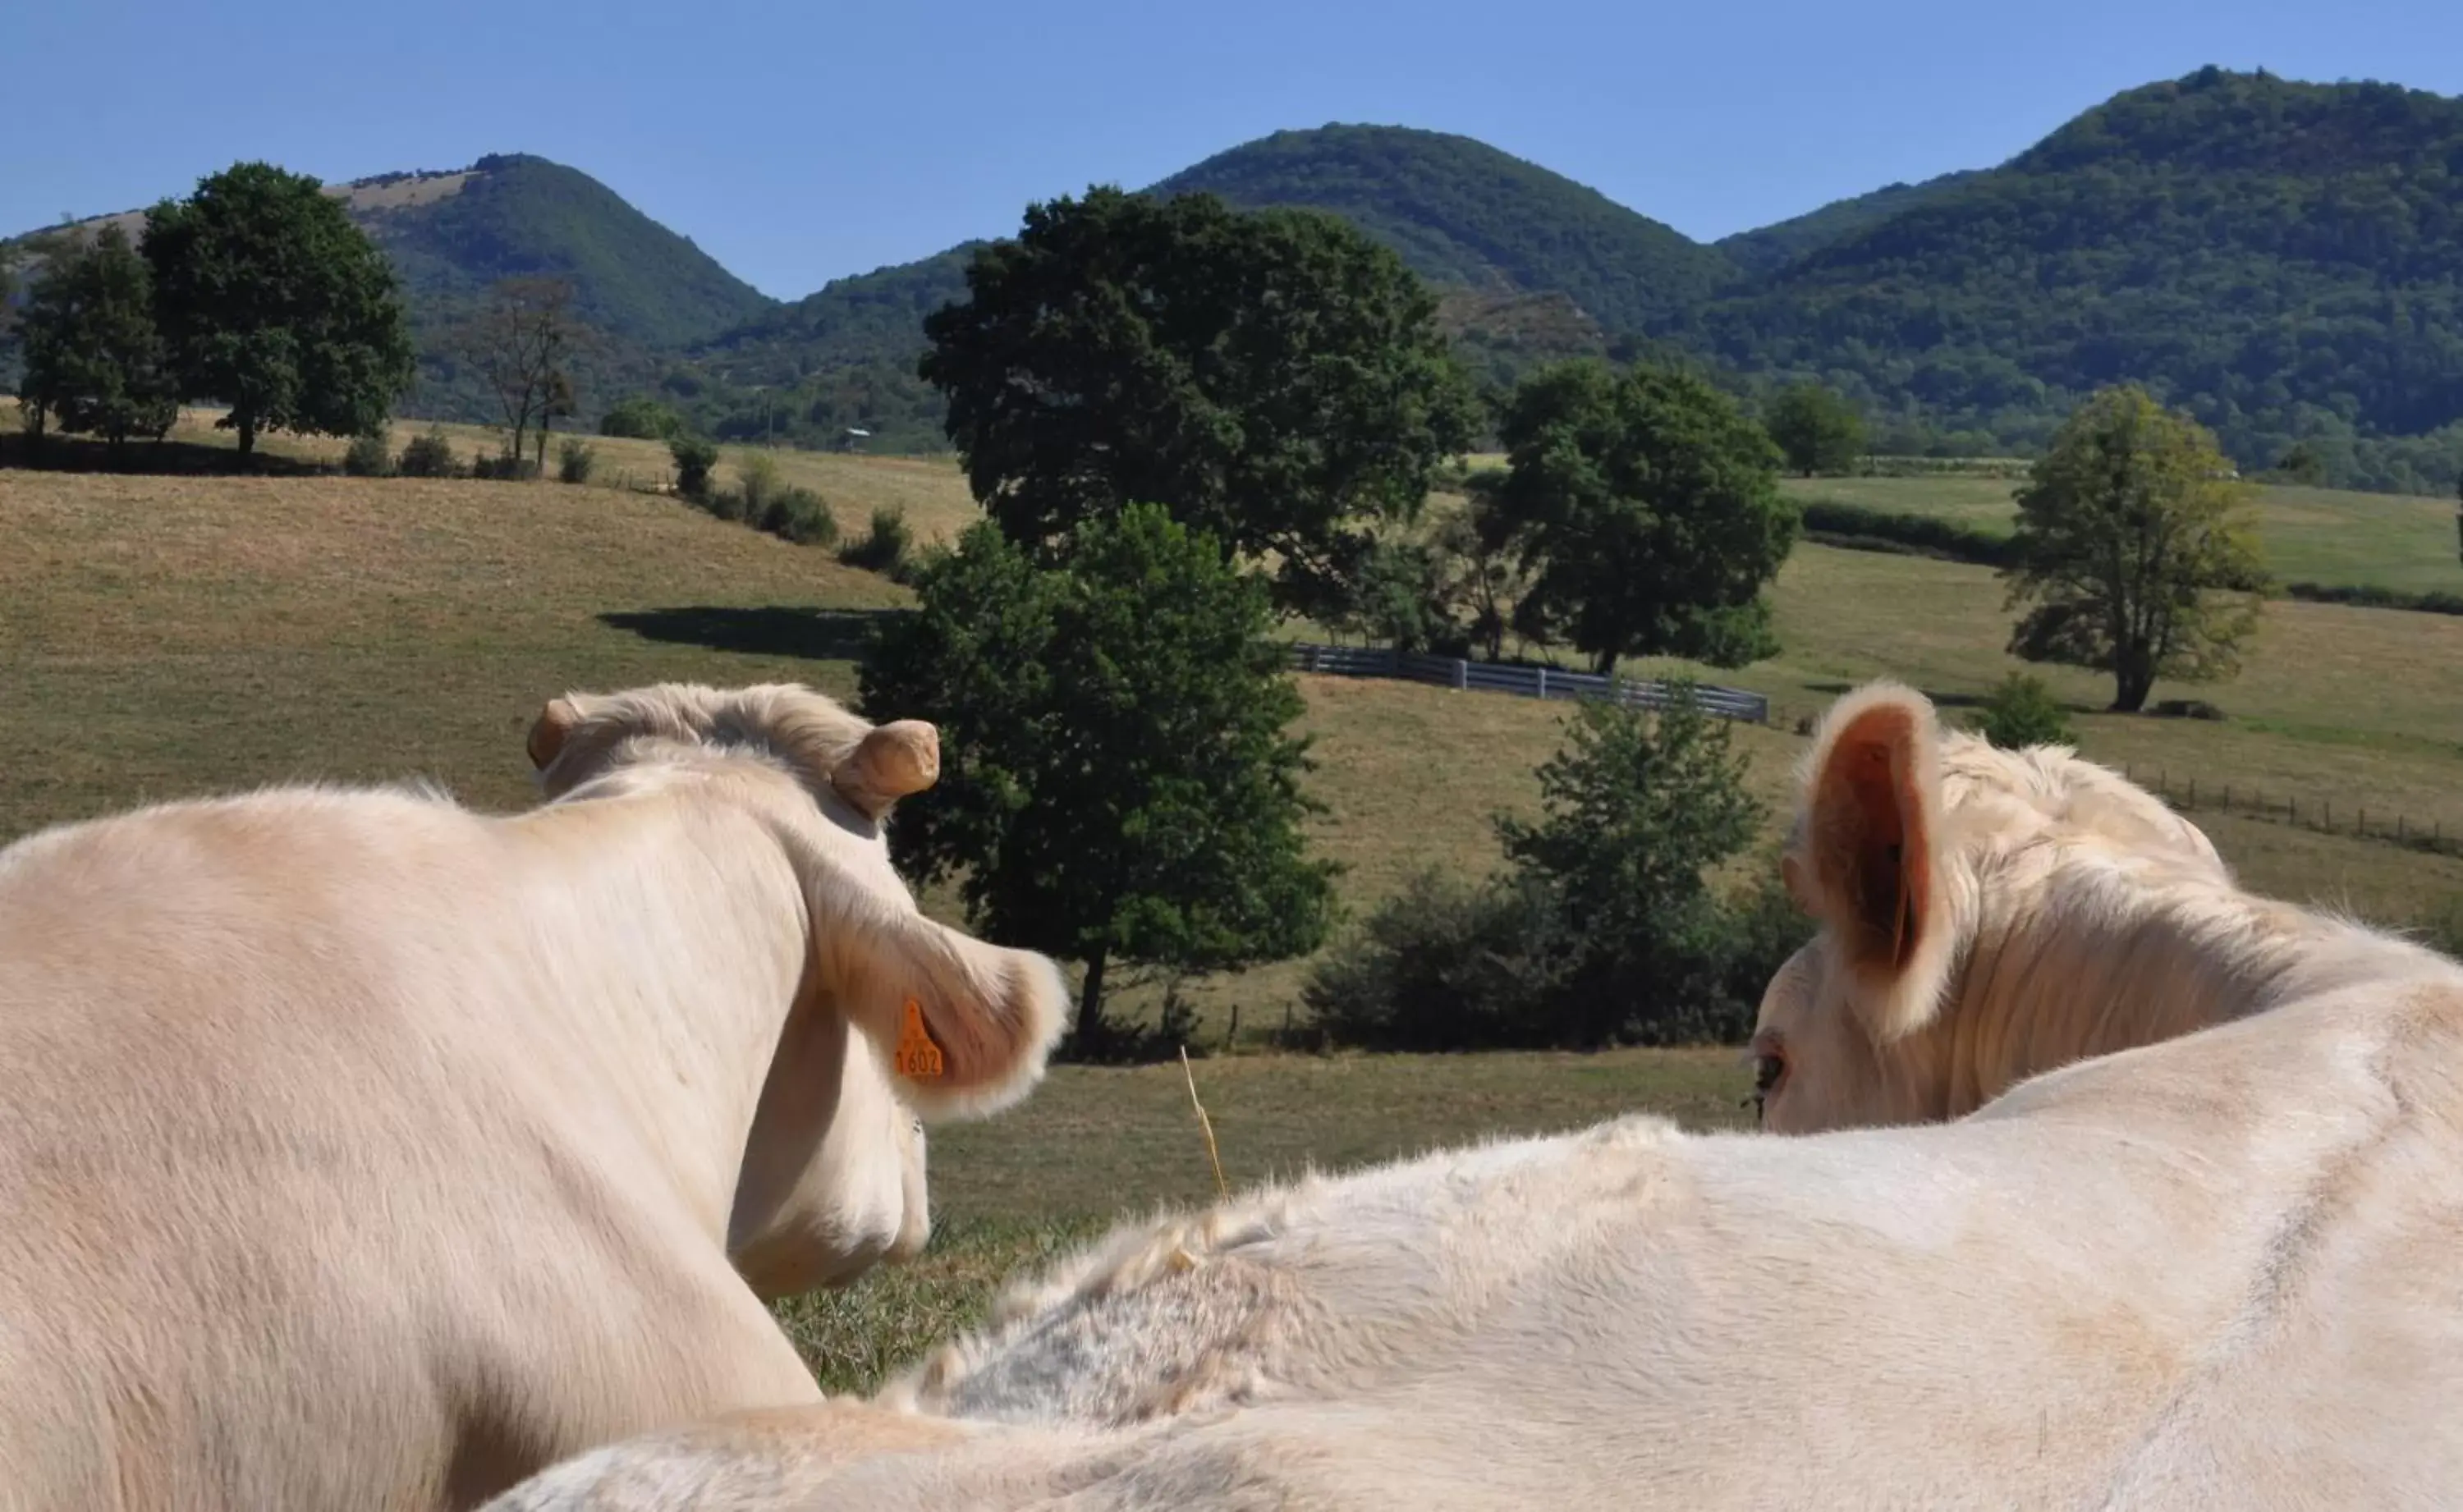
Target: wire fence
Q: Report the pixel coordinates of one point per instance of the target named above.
(2386, 824)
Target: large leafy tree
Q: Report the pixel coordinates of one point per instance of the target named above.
(94, 361)
(1276, 380)
(1818, 430)
(273, 303)
(1651, 507)
(1118, 783)
(2137, 549)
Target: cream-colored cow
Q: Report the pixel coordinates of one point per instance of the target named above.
(2211, 1273)
(1987, 914)
(359, 1151)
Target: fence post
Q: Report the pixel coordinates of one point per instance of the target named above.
(1462, 675)
(1543, 682)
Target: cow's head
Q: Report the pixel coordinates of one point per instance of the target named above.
(1910, 843)
(899, 1019)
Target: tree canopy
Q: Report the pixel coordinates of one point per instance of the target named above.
(94, 362)
(1273, 379)
(1817, 431)
(2136, 544)
(273, 303)
(1650, 507)
(1118, 782)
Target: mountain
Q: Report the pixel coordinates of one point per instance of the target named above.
(1768, 248)
(1531, 266)
(1461, 212)
(2284, 260)
(452, 233)
(516, 214)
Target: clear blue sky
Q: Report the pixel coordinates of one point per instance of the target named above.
(799, 143)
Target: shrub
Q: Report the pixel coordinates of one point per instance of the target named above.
(504, 468)
(885, 550)
(1443, 964)
(643, 418)
(1762, 927)
(757, 487)
(802, 516)
(429, 456)
(367, 457)
(695, 460)
(2022, 712)
(574, 460)
(1855, 527)
(1606, 929)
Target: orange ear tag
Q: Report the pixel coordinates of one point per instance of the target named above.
(917, 1055)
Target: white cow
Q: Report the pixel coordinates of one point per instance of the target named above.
(359, 1151)
(1987, 914)
(2211, 1273)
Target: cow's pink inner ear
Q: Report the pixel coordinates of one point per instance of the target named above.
(1875, 853)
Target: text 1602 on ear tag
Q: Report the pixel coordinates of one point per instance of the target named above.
(917, 1055)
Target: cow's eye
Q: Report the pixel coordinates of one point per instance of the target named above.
(1767, 1070)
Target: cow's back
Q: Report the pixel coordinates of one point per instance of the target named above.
(296, 1218)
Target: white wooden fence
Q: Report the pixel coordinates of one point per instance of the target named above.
(1529, 682)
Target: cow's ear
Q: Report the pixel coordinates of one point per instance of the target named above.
(549, 730)
(967, 1027)
(894, 760)
(1865, 860)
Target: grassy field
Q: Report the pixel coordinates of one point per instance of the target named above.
(2319, 536)
(165, 635)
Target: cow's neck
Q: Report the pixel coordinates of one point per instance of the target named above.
(2098, 969)
(681, 946)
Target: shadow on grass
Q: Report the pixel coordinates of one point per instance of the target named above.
(772, 630)
(167, 458)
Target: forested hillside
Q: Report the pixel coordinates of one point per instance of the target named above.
(1461, 212)
(1768, 248)
(2282, 259)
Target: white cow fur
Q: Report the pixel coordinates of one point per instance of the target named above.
(2215, 1271)
(360, 1150)
(1987, 914)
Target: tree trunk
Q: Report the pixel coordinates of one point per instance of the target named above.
(1604, 663)
(247, 425)
(542, 449)
(2130, 687)
(1090, 1031)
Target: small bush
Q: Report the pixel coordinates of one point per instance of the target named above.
(2185, 709)
(429, 456)
(802, 516)
(575, 458)
(643, 418)
(1443, 964)
(695, 460)
(757, 487)
(368, 457)
(885, 550)
(504, 468)
(1763, 927)
(2022, 712)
